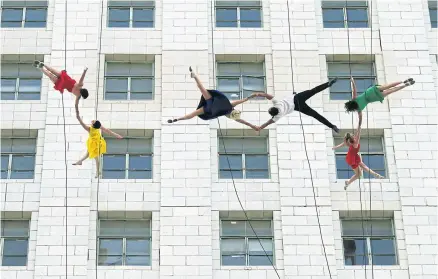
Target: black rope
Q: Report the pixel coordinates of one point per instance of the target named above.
(225, 150)
(305, 147)
(99, 156)
(365, 254)
(65, 144)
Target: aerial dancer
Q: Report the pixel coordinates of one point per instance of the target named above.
(96, 144)
(373, 94)
(62, 80)
(297, 102)
(353, 158)
(214, 104)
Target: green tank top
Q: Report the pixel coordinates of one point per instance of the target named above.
(361, 101)
(370, 95)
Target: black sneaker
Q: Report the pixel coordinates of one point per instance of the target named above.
(38, 64)
(409, 81)
(336, 129)
(172, 121)
(332, 81)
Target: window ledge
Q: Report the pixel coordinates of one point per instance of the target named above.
(240, 29)
(246, 180)
(26, 28)
(224, 267)
(131, 28)
(363, 180)
(14, 268)
(345, 29)
(124, 267)
(129, 101)
(13, 102)
(105, 180)
(18, 180)
(379, 267)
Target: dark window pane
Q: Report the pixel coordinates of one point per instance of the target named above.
(114, 166)
(257, 174)
(138, 260)
(8, 85)
(143, 18)
(233, 246)
(29, 89)
(262, 228)
(35, 18)
(357, 15)
(112, 228)
(12, 17)
(4, 164)
(22, 167)
(250, 18)
(334, 24)
(137, 228)
(110, 247)
(138, 247)
(252, 84)
(226, 174)
(141, 89)
(118, 17)
(14, 260)
(234, 260)
(260, 260)
(357, 24)
(226, 17)
(15, 247)
(355, 251)
(384, 260)
(257, 162)
(433, 17)
(15, 228)
(333, 18)
(116, 85)
(230, 162)
(229, 86)
(382, 246)
(233, 228)
(140, 167)
(110, 260)
(258, 253)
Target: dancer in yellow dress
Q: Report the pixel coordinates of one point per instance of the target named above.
(96, 144)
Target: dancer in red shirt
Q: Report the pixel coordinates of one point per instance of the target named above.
(63, 81)
(353, 157)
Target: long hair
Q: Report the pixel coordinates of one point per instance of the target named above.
(96, 124)
(349, 137)
(351, 106)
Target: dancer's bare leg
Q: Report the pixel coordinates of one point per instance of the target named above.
(78, 163)
(389, 85)
(366, 168)
(201, 87)
(52, 77)
(392, 90)
(52, 70)
(357, 174)
(98, 173)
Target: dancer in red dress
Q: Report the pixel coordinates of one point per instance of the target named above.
(63, 81)
(353, 157)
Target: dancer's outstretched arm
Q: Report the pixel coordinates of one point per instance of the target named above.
(87, 128)
(81, 81)
(248, 124)
(269, 122)
(238, 102)
(261, 94)
(339, 145)
(353, 88)
(109, 132)
(188, 116)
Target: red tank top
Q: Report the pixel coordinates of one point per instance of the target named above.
(352, 154)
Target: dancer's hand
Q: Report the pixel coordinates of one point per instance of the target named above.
(119, 137)
(253, 95)
(86, 69)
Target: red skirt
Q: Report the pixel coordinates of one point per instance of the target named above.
(353, 160)
(64, 82)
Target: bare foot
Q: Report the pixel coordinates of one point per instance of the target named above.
(77, 164)
(379, 176)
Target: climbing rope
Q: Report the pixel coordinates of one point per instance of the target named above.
(100, 157)
(305, 148)
(65, 144)
(225, 150)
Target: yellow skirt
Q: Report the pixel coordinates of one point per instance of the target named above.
(93, 147)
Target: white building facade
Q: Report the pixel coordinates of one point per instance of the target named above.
(166, 206)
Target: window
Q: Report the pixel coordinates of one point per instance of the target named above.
(248, 158)
(240, 246)
(18, 158)
(433, 13)
(240, 80)
(123, 242)
(345, 14)
(374, 158)
(27, 14)
(14, 242)
(129, 81)
(128, 159)
(134, 14)
(375, 244)
(245, 14)
(20, 82)
(362, 72)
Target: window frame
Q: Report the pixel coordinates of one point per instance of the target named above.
(383, 153)
(241, 77)
(3, 238)
(246, 240)
(23, 15)
(347, 77)
(126, 170)
(131, 15)
(369, 255)
(243, 158)
(17, 88)
(238, 9)
(23, 154)
(433, 8)
(345, 19)
(130, 78)
(124, 238)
